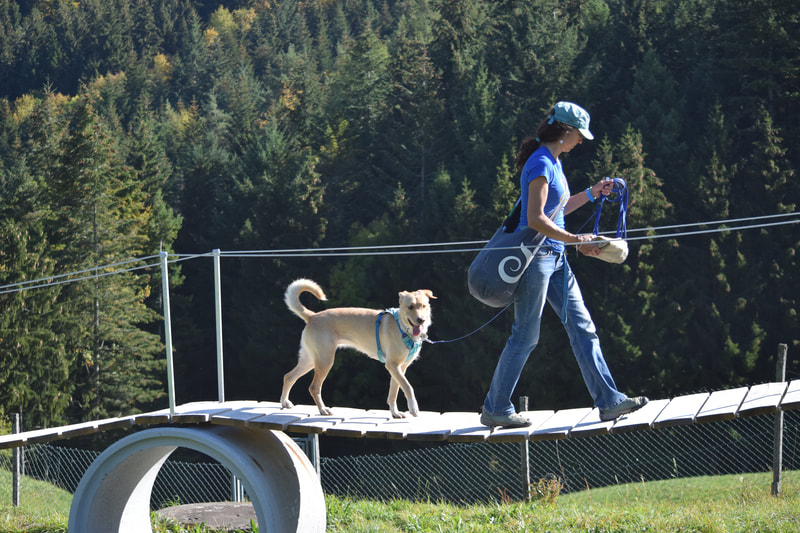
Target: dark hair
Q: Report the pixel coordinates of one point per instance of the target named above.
(544, 133)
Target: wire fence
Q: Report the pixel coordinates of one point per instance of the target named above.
(456, 473)
(483, 472)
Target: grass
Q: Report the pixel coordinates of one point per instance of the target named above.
(46, 509)
(707, 504)
(719, 504)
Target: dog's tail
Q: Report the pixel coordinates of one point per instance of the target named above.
(292, 297)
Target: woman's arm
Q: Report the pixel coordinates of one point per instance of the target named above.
(537, 197)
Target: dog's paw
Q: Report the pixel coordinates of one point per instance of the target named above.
(324, 411)
(398, 414)
(287, 405)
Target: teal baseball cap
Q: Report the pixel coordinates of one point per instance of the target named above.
(572, 115)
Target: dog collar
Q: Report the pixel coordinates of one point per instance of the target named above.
(412, 346)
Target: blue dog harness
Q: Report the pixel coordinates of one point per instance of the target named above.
(412, 346)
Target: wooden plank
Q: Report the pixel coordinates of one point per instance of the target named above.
(12, 440)
(16, 440)
(153, 417)
(242, 416)
(279, 419)
(77, 430)
(439, 430)
(681, 410)
(791, 400)
(38, 436)
(471, 431)
(591, 426)
(111, 424)
(721, 405)
(358, 426)
(762, 399)
(641, 419)
(90, 428)
(162, 416)
(201, 412)
(310, 425)
(317, 423)
(427, 426)
(559, 425)
(537, 418)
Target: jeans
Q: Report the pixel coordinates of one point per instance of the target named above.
(544, 280)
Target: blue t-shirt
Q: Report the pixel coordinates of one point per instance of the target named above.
(542, 163)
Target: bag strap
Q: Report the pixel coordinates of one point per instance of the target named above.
(512, 220)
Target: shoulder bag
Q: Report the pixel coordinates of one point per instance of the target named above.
(495, 272)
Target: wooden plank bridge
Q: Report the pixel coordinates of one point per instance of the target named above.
(452, 426)
(249, 438)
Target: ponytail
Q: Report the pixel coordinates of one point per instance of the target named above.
(526, 148)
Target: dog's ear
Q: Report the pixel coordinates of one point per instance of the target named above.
(428, 293)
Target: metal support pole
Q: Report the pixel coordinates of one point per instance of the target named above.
(16, 458)
(777, 451)
(168, 333)
(525, 465)
(218, 302)
(315, 458)
(237, 489)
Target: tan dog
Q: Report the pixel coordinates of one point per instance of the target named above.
(354, 327)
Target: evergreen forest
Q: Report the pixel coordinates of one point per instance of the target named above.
(131, 127)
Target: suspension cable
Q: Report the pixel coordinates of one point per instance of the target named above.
(394, 249)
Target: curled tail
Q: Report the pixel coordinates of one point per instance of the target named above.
(292, 297)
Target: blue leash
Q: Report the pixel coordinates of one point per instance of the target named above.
(619, 194)
(475, 331)
(621, 189)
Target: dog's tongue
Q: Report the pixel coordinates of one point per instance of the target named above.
(416, 331)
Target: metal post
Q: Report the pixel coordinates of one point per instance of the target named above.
(237, 489)
(777, 450)
(218, 302)
(525, 465)
(315, 458)
(17, 460)
(168, 333)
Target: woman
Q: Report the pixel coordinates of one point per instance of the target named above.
(549, 278)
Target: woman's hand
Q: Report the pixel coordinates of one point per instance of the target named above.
(587, 247)
(603, 187)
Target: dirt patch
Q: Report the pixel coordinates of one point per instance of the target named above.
(221, 516)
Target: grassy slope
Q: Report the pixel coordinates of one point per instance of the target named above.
(707, 504)
(45, 507)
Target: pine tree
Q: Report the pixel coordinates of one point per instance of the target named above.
(655, 108)
(464, 33)
(757, 59)
(762, 264)
(192, 79)
(34, 373)
(415, 118)
(99, 218)
(145, 32)
(357, 106)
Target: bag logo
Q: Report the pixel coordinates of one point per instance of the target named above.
(516, 266)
